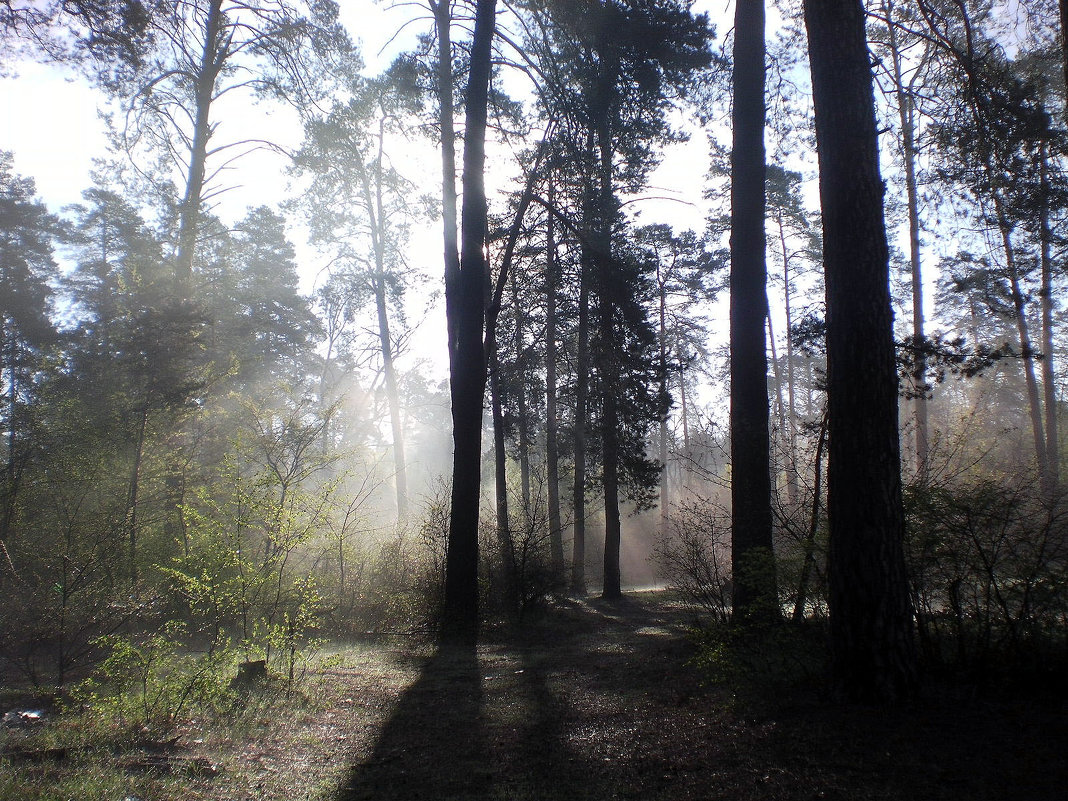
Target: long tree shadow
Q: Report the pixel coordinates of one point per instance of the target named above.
(476, 730)
(434, 743)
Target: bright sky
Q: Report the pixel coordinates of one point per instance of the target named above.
(50, 121)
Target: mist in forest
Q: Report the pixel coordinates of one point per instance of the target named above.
(233, 399)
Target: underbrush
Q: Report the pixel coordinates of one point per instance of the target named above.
(764, 667)
(153, 723)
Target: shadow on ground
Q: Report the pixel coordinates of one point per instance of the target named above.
(473, 726)
(601, 701)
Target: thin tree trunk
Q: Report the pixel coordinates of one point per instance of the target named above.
(132, 493)
(809, 560)
(1064, 41)
(505, 543)
(607, 366)
(523, 420)
(552, 446)
(389, 370)
(684, 411)
(665, 518)
(906, 116)
(780, 404)
(372, 199)
(11, 471)
(1034, 402)
(204, 92)
(791, 398)
(872, 645)
(1046, 299)
(447, 132)
(582, 384)
(465, 309)
(752, 559)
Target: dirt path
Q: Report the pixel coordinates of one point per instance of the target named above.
(600, 701)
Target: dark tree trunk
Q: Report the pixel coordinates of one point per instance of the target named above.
(505, 543)
(132, 494)
(1064, 39)
(552, 447)
(372, 194)
(523, 413)
(1019, 303)
(752, 561)
(872, 642)
(906, 116)
(790, 433)
(604, 216)
(447, 132)
(1052, 474)
(204, 92)
(809, 560)
(465, 310)
(663, 379)
(582, 384)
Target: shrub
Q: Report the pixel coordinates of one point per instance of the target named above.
(694, 556)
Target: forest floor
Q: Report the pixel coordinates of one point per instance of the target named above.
(596, 701)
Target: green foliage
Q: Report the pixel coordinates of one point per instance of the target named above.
(987, 560)
(151, 680)
(759, 663)
(694, 556)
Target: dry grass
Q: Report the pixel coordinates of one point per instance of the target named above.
(596, 701)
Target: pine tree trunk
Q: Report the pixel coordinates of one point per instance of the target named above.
(1064, 41)
(11, 471)
(447, 133)
(1052, 473)
(872, 644)
(389, 371)
(465, 309)
(377, 225)
(606, 354)
(906, 117)
(132, 493)
(523, 416)
(808, 561)
(663, 368)
(582, 384)
(552, 446)
(791, 397)
(784, 436)
(505, 543)
(204, 91)
(1034, 402)
(752, 560)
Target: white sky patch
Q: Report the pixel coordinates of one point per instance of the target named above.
(51, 124)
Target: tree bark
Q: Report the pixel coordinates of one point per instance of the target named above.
(1052, 471)
(465, 309)
(552, 446)
(603, 218)
(1034, 401)
(661, 285)
(906, 117)
(809, 560)
(582, 384)
(204, 91)
(752, 560)
(505, 542)
(791, 396)
(873, 650)
(523, 416)
(447, 132)
(377, 225)
(1064, 40)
